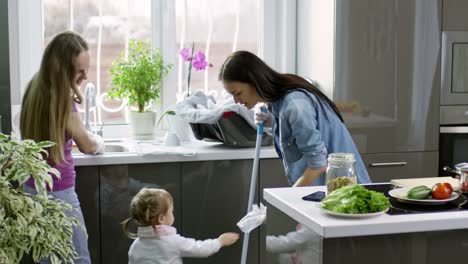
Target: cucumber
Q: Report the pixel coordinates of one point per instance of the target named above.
(419, 192)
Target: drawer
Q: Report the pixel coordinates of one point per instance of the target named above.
(452, 115)
(383, 167)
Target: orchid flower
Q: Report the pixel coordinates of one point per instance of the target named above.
(185, 53)
(197, 60)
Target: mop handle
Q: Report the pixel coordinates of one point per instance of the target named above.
(253, 183)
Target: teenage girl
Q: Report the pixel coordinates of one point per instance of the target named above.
(49, 112)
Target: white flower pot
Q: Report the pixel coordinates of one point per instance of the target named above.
(142, 124)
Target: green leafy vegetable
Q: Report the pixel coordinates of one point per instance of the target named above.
(355, 199)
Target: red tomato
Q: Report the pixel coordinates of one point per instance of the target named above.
(441, 191)
(448, 185)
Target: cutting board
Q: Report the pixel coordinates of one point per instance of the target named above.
(429, 182)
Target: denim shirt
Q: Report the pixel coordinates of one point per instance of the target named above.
(306, 130)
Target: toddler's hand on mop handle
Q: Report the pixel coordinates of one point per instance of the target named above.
(228, 239)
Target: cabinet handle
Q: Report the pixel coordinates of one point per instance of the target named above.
(454, 130)
(388, 164)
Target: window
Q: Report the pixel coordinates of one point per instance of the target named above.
(106, 25)
(265, 27)
(215, 27)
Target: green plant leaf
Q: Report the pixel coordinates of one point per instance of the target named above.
(168, 112)
(36, 225)
(138, 76)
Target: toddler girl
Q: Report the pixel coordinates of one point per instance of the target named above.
(156, 241)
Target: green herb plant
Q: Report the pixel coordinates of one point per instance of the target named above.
(35, 225)
(138, 76)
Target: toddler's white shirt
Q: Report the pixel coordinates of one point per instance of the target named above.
(165, 246)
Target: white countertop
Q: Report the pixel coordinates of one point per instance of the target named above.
(289, 201)
(154, 152)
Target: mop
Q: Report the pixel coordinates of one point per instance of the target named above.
(253, 183)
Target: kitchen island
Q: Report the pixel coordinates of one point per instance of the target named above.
(434, 237)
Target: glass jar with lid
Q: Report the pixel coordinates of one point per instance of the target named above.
(340, 171)
(462, 169)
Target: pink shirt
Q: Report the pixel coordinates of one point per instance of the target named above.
(66, 168)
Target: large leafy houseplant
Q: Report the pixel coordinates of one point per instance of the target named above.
(35, 225)
(138, 76)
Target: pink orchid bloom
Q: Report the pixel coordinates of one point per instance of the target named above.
(185, 53)
(199, 61)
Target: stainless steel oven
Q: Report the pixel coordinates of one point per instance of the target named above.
(454, 79)
(453, 140)
(453, 147)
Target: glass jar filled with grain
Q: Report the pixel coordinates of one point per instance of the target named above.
(340, 171)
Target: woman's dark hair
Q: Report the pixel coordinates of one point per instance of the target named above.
(246, 67)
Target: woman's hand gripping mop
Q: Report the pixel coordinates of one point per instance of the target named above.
(256, 215)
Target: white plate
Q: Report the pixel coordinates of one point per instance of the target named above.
(352, 215)
(400, 194)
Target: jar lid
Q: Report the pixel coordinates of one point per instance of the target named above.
(462, 166)
(341, 157)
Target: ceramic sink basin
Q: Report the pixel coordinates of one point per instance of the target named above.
(115, 148)
(108, 148)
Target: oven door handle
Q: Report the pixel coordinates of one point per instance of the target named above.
(454, 130)
(388, 164)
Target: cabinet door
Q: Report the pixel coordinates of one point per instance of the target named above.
(87, 188)
(387, 73)
(118, 185)
(387, 166)
(214, 199)
(454, 15)
(272, 175)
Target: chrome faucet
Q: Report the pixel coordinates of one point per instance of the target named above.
(90, 95)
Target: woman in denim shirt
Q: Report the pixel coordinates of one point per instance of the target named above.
(307, 125)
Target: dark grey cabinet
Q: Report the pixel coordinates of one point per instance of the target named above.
(271, 175)
(454, 15)
(387, 166)
(388, 64)
(214, 198)
(5, 86)
(87, 189)
(118, 185)
(210, 197)
(382, 71)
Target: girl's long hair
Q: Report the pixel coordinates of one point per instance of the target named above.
(246, 67)
(149, 203)
(47, 102)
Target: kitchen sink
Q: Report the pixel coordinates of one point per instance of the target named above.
(108, 148)
(115, 148)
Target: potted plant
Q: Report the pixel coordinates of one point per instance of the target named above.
(34, 225)
(190, 59)
(137, 78)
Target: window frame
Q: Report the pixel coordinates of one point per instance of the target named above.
(277, 41)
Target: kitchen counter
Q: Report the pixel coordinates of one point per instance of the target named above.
(289, 201)
(154, 152)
